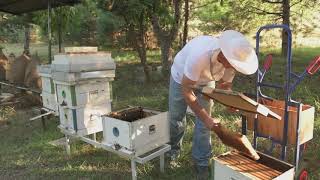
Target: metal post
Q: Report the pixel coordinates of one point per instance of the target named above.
(297, 150)
(43, 121)
(68, 150)
(60, 32)
(133, 169)
(255, 133)
(244, 124)
(287, 98)
(162, 163)
(49, 31)
(94, 137)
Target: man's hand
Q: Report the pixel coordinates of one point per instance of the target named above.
(215, 124)
(224, 85)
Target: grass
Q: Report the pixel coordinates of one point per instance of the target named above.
(26, 154)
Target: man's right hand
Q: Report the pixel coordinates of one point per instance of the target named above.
(215, 124)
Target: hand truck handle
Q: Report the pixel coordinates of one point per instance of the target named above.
(314, 66)
(267, 62)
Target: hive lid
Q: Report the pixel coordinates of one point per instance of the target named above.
(83, 59)
(83, 49)
(238, 100)
(82, 76)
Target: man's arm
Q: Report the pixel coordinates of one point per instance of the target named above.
(191, 99)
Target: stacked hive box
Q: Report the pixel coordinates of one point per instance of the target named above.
(48, 94)
(83, 88)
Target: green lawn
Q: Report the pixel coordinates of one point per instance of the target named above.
(26, 154)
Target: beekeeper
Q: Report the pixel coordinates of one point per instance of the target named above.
(203, 61)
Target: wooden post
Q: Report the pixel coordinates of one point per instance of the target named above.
(49, 31)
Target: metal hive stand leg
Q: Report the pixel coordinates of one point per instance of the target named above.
(134, 169)
(68, 150)
(162, 163)
(94, 137)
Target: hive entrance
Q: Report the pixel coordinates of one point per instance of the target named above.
(131, 114)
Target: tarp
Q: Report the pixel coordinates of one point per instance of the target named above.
(24, 6)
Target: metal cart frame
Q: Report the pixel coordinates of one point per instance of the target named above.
(292, 80)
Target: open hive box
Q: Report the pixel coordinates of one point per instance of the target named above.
(235, 166)
(270, 127)
(137, 129)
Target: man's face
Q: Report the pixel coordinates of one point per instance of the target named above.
(223, 60)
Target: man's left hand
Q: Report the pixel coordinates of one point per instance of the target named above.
(224, 86)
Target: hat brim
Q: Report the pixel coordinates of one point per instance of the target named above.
(247, 67)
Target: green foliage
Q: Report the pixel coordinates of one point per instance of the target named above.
(216, 16)
(11, 28)
(165, 12)
(107, 23)
(61, 16)
(248, 15)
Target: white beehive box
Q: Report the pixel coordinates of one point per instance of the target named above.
(49, 99)
(92, 92)
(137, 129)
(82, 76)
(45, 72)
(235, 166)
(83, 120)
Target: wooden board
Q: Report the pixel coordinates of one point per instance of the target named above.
(237, 141)
(273, 128)
(239, 101)
(247, 166)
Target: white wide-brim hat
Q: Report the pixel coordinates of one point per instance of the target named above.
(238, 51)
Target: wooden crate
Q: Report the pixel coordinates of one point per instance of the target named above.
(235, 166)
(274, 128)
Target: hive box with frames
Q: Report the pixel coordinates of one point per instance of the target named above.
(82, 78)
(136, 129)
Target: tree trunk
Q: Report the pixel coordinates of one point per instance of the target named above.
(186, 19)
(167, 37)
(60, 32)
(166, 57)
(286, 21)
(27, 28)
(137, 39)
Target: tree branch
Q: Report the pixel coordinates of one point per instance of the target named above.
(177, 13)
(264, 12)
(204, 5)
(273, 2)
(298, 2)
(156, 26)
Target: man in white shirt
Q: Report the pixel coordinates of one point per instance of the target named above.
(203, 61)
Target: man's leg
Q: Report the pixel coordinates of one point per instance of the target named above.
(177, 113)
